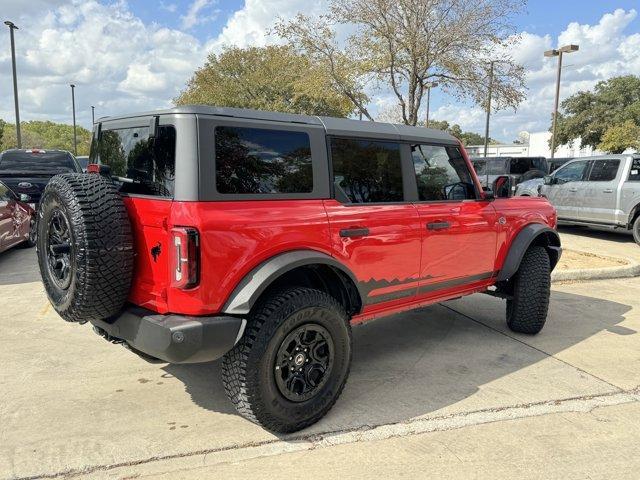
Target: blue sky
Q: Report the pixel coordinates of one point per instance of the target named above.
(128, 55)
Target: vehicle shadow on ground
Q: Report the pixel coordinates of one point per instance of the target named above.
(419, 362)
(619, 236)
(19, 265)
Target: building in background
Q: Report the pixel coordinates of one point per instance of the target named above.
(537, 146)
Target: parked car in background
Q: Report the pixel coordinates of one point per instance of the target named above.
(520, 169)
(17, 220)
(28, 171)
(83, 161)
(529, 188)
(599, 191)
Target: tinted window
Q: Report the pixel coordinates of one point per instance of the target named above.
(259, 160)
(366, 171)
(571, 172)
(496, 166)
(604, 170)
(480, 166)
(519, 166)
(145, 167)
(634, 174)
(539, 164)
(47, 162)
(441, 173)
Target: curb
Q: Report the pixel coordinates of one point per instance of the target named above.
(632, 269)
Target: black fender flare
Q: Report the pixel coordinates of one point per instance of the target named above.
(261, 277)
(534, 233)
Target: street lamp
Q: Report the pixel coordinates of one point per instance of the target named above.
(73, 107)
(486, 125)
(12, 27)
(558, 53)
(429, 86)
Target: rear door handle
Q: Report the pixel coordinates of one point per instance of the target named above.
(608, 190)
(354, 232)
(573, 189)
(438, 225)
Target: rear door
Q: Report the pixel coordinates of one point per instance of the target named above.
(563, 193)
(374, 230)
(599, 194)
(459, 230)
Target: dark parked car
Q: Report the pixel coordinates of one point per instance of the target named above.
(28, 171)
(519, 169)
(16, 220)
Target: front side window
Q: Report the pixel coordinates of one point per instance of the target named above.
(634, 174)
(366, 171)
(262, 161)
(572, 172)
(140, 165)
(441, 173)
(604, 170)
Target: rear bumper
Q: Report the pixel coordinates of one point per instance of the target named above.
(173, 338)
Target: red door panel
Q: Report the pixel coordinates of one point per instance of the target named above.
(381, 246)
(459, 244)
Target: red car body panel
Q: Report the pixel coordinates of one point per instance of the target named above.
(15, 220)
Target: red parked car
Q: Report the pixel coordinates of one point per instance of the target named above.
(16, 220)
(263, 237)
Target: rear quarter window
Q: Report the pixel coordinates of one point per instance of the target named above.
(262, 161)
(634, 174)
(139, 165)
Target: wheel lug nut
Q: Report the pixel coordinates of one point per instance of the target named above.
(290, 358)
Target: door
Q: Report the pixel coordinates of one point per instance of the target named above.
(630, 197)
(459, 231)
(374, 231)
(563, 193)
(599, 194)
(6, 217)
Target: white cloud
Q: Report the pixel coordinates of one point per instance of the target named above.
(199, 12)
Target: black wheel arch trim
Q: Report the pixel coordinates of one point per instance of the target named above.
(254, 284)
(530, 234)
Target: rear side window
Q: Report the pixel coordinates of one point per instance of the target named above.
(441, 173)
(480, 166)
(141, 166)
(634, 174)
(496, 166)
(604, 170)
(366, 171)
(519, 166)
(260, 160)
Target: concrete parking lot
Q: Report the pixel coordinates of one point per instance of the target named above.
(445, 391)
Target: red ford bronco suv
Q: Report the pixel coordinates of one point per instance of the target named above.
(261, 237)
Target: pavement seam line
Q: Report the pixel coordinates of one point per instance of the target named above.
(454, 421)
(534, 348)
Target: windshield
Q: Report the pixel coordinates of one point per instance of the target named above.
(27, 162)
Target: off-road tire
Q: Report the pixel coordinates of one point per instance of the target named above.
(531, 288)
(248, 369)
(636, 229)
(101, 255)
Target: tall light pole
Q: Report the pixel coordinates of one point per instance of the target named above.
(12, 27)
(73, 107)
(429, 86)
(558, 53)
(486, 125)
(93, 115)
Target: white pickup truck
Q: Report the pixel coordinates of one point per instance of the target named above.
(599, 192)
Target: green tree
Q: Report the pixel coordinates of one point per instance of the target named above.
(588, 115)
(266, 78)
(467, 138)
(46, 135)
(617, 138)
(404, 45)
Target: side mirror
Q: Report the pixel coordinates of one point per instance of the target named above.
(503, 186)
(548, 180)
(24, 198)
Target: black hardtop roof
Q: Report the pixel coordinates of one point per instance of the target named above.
(332, 125)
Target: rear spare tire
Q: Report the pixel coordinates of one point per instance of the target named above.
(84, 247)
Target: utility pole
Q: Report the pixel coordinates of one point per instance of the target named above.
(73, 107)
(558, 53)
(486, 126)
(93, 115)
(429, 86)
(12, 27)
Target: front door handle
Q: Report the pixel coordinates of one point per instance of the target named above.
(608, 190)
(354, 232)
(573, 189)
(438, 225)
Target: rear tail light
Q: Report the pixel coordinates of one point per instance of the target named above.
(185, 257)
